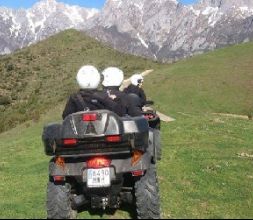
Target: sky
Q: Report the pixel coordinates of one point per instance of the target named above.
(84, 3)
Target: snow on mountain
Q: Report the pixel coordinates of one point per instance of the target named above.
(160, 29)
(168, 30)
(22, 27)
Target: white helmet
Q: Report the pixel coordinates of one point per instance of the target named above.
(88, 77)
(136, 79)
(112, 77)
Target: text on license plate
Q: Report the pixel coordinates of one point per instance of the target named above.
(98, 178)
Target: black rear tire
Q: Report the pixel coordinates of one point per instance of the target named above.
(147, 195)
(59, 202)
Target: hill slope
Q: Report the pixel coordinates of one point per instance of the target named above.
(219, 81)
(39, 77)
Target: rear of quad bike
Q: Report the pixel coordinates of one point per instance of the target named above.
(100, 161)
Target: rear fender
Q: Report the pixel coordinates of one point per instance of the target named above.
(118, 166)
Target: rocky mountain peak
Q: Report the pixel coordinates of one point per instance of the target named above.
(159, 29)
(46, 4)
(226, 3)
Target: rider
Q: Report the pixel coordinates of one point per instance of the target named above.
(113, 78)
(88, 97)
(136, 88)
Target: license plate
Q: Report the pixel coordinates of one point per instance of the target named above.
(98, 178)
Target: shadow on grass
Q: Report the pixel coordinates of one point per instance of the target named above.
(130, 209)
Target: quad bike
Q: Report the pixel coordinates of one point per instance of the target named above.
(100, 161)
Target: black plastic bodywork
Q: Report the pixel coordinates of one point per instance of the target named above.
(91, 135)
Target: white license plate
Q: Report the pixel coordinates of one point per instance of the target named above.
(98, 178)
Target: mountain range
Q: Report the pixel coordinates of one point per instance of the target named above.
(163, 30)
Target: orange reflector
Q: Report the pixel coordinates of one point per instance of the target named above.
(98, 162)
(60, 161)
(136, 156)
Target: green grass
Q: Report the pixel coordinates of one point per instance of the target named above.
(219, 81)
(201, 174)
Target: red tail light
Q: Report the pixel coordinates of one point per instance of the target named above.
(138, 173)
(90, 117)
(59, 178)
(113, 138)
(98, 162)
(70, 142)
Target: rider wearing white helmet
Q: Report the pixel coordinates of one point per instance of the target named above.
(137, 79)
(87, 98)
(135, 88)
(113, 78)
(88, 78)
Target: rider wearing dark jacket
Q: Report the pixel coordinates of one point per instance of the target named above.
(113, 78)
(88, 79)
(138, 91)
(88, 97)
(89, 100)
(135, 87)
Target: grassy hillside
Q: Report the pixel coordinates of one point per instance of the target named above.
(206, 170)
(219, 81)
(39, 77)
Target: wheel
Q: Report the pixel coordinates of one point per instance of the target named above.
(59, 202)
(157, 143)
(147, 195)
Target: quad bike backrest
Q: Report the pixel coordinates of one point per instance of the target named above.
(94, 123)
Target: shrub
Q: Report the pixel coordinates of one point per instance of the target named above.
(9, 67)
(5, 100)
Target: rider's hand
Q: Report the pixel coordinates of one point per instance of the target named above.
(113, 97)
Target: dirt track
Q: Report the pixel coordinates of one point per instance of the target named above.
(234, 116)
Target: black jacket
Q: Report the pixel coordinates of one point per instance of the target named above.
(89, 100)
(138, 91)
(124, 104)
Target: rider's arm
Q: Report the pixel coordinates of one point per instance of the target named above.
(142, 96)
(69, 108)
(113, 105)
